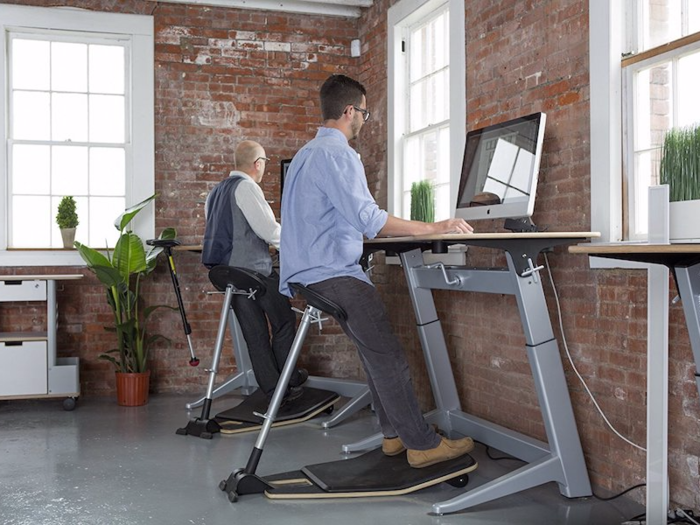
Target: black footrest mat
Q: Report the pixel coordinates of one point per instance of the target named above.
(371, 474)
(241, 418)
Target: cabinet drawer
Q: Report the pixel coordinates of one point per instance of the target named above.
(23, 368)
(22, 291)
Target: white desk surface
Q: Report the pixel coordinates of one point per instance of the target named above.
(66, 277)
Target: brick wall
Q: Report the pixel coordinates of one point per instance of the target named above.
(221, 76)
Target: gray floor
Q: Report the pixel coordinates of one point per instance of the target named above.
(104, 464)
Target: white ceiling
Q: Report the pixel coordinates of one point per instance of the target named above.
(348, 8)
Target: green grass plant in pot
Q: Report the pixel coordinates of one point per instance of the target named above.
(121, 275)
(423, 201)
(67, 220)
(680, 163)
(680, 169)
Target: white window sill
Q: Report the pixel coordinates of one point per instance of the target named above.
(57, 257)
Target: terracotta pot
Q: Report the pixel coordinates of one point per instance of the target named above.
(132, 389)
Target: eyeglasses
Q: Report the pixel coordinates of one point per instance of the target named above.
(262, 158)
(365, 113)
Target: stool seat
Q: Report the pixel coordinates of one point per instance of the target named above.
(240, 278)
(316, 300)
(163, 243)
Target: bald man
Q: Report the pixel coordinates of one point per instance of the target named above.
(240, 228)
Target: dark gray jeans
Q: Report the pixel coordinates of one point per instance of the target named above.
(268, 348)
(383, 359)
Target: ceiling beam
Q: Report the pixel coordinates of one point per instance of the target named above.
(346, 8)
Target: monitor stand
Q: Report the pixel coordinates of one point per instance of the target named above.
(521, 225)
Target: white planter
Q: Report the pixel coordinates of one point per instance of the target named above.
(685, 221)
(68, 236)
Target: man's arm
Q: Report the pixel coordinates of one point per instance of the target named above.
(396, 227)
(251, 201)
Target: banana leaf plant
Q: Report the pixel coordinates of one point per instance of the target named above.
(121, 276)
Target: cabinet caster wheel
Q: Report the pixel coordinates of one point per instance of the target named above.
(232, 497)
(459, 482)
(222, 485)
(69, 403)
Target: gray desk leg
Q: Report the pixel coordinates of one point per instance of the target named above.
(358, 392)
(688, 280)
(244, 378)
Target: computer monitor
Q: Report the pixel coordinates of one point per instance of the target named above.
(500, 170)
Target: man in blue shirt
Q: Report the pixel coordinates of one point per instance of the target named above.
(327, 209)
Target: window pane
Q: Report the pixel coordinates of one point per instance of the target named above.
(429, 47)
(69, 168)
(429, 101)
(654, 110)
(693, 17)
(31, 169)
(663, 22)
(68, 67)
(688, 82)
(30, 64)
(103, 211)
(81, 208)
(30, 116)
(69, 117)
(107, 69)
(107, 118)
(31, 222)
(443, 206)
(107, 171)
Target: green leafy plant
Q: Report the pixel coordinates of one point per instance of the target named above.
(67, 216)
(121, 276)
(680, 163)
(423, 201)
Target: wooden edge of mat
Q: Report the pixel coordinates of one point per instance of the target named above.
(370, 494)
(238, 429)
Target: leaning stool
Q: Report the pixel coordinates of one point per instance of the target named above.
(245, 481)
(230, 280)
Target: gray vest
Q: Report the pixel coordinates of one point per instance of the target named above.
(227, 227)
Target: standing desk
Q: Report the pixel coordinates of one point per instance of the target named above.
(684, 261)
(560, 459)
(358, 392)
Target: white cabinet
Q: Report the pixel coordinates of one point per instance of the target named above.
(29, 367)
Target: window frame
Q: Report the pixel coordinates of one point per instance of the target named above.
(140, 167)
(401, 16)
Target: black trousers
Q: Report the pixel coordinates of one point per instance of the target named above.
(268, 325)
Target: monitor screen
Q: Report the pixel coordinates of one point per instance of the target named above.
(500, 169)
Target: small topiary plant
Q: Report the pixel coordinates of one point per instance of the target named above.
(67, 216)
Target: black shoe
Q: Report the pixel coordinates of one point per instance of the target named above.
(293, 393)
(300, 377)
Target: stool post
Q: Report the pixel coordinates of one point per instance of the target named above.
(309, 314)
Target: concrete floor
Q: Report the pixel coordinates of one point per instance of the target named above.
(108, 465)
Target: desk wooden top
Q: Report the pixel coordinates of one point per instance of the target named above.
(611, 249)
(457, 237)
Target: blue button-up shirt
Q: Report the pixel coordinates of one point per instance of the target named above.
(326, 210)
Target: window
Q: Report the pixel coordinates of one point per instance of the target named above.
(427, 101)
(75, 83)
(658, 79)
(659, 86)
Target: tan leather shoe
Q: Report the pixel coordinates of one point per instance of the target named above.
(392, 446)
(446, 450)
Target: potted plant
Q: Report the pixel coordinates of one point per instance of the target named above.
(423, 201)
(680, 169)
(121, 276)
(67, 220)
